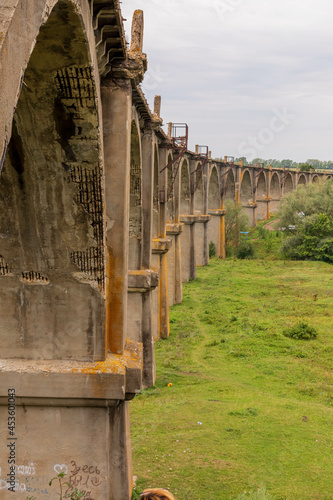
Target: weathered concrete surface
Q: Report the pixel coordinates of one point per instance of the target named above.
(214, 230)
(65, 440)
(116, 137)
(51, 239)
(174, 231)
(201, 239)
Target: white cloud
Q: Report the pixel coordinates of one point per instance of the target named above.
(224, 74)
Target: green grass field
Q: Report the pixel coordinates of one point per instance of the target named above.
(249, 409)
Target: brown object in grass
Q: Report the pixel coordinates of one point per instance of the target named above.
(156, 494)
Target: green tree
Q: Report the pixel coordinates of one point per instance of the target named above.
(236, 221)
(244, 160)
(307, 218)
(313, 240)
(306, 167)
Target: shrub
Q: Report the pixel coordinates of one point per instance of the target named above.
(212, 251)
(245, 250)
(236, 221)
(307, 200)
(301, 331)
(313, 240)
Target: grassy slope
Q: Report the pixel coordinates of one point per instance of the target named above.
(265, 402)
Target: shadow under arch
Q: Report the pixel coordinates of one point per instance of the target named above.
(213, 190)
(246, 189)
(288, 184)
(262, 186)
(229, 188)
(51, 201)
(275, 188)
(185, 190)
(275, 192)
(198, 190)
(170, 192)
(301, 180)
(156, 203)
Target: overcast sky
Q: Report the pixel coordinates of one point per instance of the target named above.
(251, 78)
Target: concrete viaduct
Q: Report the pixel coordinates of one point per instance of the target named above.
(103, 215)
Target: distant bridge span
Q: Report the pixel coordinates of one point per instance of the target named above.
(198, 191)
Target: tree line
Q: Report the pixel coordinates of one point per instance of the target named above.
(305, 166)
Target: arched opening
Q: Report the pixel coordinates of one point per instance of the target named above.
(229, 187)
(170, 191)
(275, 193)
(185, 192)
(246, 189)
(51, 204)
(135, 212)
(275, 186)
(261, 186)
(301, 180)
(315, 178)
(198, 193)
(261, 196)
(214, 204)
(156, 205)
(213, 191)
(288, 184)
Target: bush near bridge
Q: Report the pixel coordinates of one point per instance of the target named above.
(306, 215)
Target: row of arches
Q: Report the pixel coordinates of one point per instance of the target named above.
(246, 186)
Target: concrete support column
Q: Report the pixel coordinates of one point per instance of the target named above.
(149, 372)
(217, 225)
(222, 235)
(193, 259)
(147, 196)
(205, 212)
(149, 367)
(254, 204)
(222, 251)
(174, 264)
(162, 246)
(178, 269)
(121, 476)
(117, 106)
(269, 199)
(177, 243)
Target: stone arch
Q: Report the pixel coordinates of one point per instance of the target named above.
(135, 210)
(261, 185)
(301, 180)
(246, 188)
(199, 190)
(315, 178)
(185, 191)
(229, 190)
(275, 188)
(213, 190)
(156, 202)
(14, 62)
(288, 184)
(51, 192)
